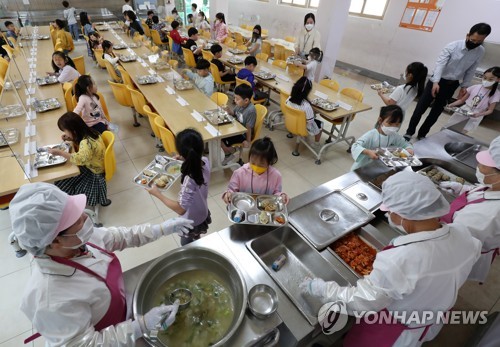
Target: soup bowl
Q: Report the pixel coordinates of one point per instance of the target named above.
(179, 261)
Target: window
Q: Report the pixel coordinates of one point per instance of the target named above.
(301, 3)
(369, 8)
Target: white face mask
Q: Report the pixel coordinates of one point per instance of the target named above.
(309, 27)
(488, 84)
(83, 234)
(481, 176)
(389, 130)
(394, 225)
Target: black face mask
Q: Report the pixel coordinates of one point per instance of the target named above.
(471, 45)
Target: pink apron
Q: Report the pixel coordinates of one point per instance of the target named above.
(117, 310)
(385, 334)
(458, 204)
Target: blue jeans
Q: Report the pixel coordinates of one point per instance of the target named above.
(74, 30)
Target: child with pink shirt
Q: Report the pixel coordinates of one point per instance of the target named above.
(89, 107)
(258, 176)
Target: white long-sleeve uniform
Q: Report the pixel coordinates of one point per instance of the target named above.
(64, 304)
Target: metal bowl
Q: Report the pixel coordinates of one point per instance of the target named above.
(181, 260)
(176, 294)
(262, 301)
(243, 201)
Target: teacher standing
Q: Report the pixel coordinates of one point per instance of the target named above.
(308, 38)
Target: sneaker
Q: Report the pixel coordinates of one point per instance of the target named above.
(407, 137)
(229, 158)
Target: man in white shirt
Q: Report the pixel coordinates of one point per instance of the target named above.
(457, 62)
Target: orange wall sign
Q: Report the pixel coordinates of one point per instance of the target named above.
(421, 14)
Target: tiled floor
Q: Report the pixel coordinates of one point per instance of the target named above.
(134, 148)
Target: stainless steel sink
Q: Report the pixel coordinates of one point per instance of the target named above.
(468, 157)
(454, 148)
(302, 261)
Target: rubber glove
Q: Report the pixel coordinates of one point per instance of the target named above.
(181, 226)
(151, 320)
(453, 187)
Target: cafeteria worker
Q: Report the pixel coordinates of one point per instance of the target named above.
(478, 208)
(75, 296)
(421, 270)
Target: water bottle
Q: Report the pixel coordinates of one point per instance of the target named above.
(238, 216)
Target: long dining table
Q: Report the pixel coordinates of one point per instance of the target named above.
(35, 129)
(179, 109)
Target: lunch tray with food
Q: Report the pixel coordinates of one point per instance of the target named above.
(35, 37)
(43, 81)
(397, 157)
(182, 84)
(44, 159)
(265, 75)
(293, 58)
(459, 110)
(325, 104)
(236, 51)
(11, 111)
(207, 46)
(160, 65)
(8, 85)
(385, 87)
(9, 137)
(46, 104)
(218, 117)
(147, 79)
(438, 174)
(257, 209)
(128, 58)
(120, 46)
(162, 171)
(235, 60)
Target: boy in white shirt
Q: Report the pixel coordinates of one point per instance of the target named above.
(202, 78)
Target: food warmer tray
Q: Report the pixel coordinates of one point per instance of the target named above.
(364, 194)
(162, 171)
(437, 175)
(269, 210)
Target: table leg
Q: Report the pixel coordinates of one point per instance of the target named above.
(214, 156)
(341, 137)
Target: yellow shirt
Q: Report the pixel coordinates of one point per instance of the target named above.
(61, 35)
(90, 154)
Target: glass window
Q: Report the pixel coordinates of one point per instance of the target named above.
(356, 6)
(313, 3)
(369, 8)
(301, 3)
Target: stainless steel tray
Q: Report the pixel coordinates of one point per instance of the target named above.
(328, 218)
(268, 210)
(389, 157)
(235, 60)
(47, 80)
(264, 75)
(162, 171)
(120, 46)
(236, 51)
(437, 175)
(459, 110)
(36, 37)
(11, 111)
(160, 65)
(364, 194)
(293, 58)
(183, 84)
(147, 79)
(324, 104)
(385, 87)
(46, 105)
(302, 261)
(218, 117)
(9, 137)
(44, 159)
(128, 58)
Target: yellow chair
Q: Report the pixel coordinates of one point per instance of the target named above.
(290, 39)
(279, 63)
(138, 100)
(138, 37)
(295, 124)
(9, 50)
(220, 99)
(241, 81)
(53, 35)
(71, 45)
(127, 80)
(4, 66)
(259, 121)
(262, 56)
(231, 44)
(147, 31)
(156, 131)
(228, 38)
(155, 35)
(104, 106)
(279, 52)
(109, 155)
(173, 63)
(243, 26)
(288, 53)
(214, 70)
(266, 48)
(166, 136)
(98, 56)
(123, 97)
(265, 32)
(332, 84)
(188, 57)
(171, 44)
(13, 42)
(169, 19)
(239, 39)
(79, 64)
(68, 98)
(111, 72)
(207, 55)
(206, 34)
(274, 115)
(2, 59)
(295, 70)
(242, 48)
(353, 93)
(155, 49)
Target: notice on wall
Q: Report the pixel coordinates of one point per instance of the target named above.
(421, 14)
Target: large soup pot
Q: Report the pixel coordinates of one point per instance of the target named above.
(186, 259)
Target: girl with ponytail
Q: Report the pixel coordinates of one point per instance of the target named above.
(195, 175)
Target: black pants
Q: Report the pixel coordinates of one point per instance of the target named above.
(446, 90)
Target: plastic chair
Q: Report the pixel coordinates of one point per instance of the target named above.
(169, 19)
(274, 115)
(13, 41)
(295, 123)
(155, 36)
(239, 39)
(295, 70)
(259, 121)
(288, 53)
(207, 55)
(166, 136)
(231, 44)
(265, 32)
(206, 34)
(151, 117)
(98, 56)
(242, 48)
(332, 84)
(9, 50)
(279, 63)
(68, 98)
(155, 49)
(127, 80)
(173, 63)
(220, 99)
(279, 52)
(103, 105)
(4, 66)
(80, 64)
(214, 70)
(290, 39)
(262, 56)
(241, 81)
(123, 97)
(147, 31)
(171, 44)
(266, 48)
(188, 57)
(112, 72)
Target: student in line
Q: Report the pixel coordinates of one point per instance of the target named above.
(89, 106)
(64, 68)
(309, 66)
(255, 44)
(225, 74)
(247, 74)
(192, 46)
(202, 78)
(70, 17)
